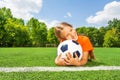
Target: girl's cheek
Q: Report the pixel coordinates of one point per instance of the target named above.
(69, 37)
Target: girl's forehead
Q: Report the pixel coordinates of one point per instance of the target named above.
(61, 25)
(67, 28)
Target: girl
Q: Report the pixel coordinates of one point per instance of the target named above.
(65, 31)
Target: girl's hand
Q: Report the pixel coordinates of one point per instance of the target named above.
(69, 60)
(60, 61)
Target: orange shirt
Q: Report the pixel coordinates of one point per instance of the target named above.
(85, 43)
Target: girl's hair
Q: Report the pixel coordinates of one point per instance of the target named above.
(58, 30)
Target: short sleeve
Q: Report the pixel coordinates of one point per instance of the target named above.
(87, 45)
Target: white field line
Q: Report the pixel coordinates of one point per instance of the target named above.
(56, 69)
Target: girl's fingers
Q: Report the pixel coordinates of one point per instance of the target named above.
(76, 55)
(69, 55)
(67, 60)
(59, 56)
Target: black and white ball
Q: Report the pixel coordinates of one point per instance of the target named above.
(69, 46)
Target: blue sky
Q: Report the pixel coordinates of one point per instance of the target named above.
(76, 12)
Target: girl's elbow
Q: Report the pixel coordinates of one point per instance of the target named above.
(83, 62)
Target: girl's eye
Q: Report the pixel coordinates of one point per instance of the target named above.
(71, 30)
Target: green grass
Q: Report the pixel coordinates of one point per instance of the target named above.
(10, 57)
(13, 57)
(106, 56)
(20, 57)
(82, 75)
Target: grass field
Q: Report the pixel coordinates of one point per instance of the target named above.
(82, 75)
(13, 57)
(22, 57)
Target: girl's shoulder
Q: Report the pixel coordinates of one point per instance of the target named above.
(83, 37)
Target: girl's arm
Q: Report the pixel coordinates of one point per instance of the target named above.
(59, 61)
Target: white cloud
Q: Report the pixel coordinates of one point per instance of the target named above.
(50, 24)
(53, 23)
(22, 8)
(68, 14)
(110, 11)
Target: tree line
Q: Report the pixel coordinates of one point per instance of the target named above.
(15, 32)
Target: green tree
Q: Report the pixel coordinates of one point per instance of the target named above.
(5, 14)
(115, 23)
(111, 38)
(81, 30)
(19, 21)
(102, 31)
(16, 34)
(42, 34)
(51, 36)
(38, 32)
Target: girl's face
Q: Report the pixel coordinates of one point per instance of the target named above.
(69, 33)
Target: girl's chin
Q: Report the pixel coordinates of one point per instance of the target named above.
(75, 39)
(72, 39)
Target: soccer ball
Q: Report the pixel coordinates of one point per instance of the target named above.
(69, 46)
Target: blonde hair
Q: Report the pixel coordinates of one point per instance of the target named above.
(58, 30)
